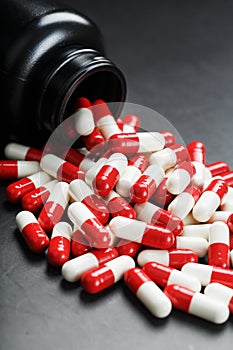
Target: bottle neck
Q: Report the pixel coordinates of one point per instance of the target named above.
(79, 73)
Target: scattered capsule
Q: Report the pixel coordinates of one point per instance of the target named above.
(94, 140)
(197, 304)
(32, 233)
(219, 250)
(20, 152)
(79, 245)
(198, 244)
(59, 245)
(94, 232)
(209, 200)
(129, 248)
(197, 230)
(218, 292)
(117, 205)
(104, 276)
(54, 207)
(161, 196)
(81, 192)
(83, 121)
(16, 190)
(17, 169)
(180, 178)
(218, 168)
(60, 169)
(169, 156)
(73, 269)
(148, 292)
(207, 274)
(138, 231)
(197, 152)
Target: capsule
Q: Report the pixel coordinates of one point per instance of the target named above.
(136, 166)
(207, 274)
(73, 156)
(218, 168)
(175, 258)
(169, 137)
(129, 248)
(59, 246)
(54, 207)
(162, 197)
(202, 231)
(169, 156)
(109, 174)
(218, 292)
(94, 232)
(197, 151)
(189, 220)
(21, 152)
(94, 140)
(138, 231)
(17, 169)
(155, 215)
(81, 192)
(104, 276)
(148, 292)
(91, 173)
(79, 244)
(198, 244)
(219, 250)
(132, 120)
(117, 205)
(209, 200)
(16, 190)
(184, 202)
(32, 233)
(199, 177)
(146, 185)
(73, 269)
(180, 178)
(197, 304)
(83, 121)
(228, 178)
(104, 120)
(60, 169)
(140, 142)
(220, 215)
(34, 199)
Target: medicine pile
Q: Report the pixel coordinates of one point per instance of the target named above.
(129, 205)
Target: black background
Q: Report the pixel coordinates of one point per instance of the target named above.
(177, 57)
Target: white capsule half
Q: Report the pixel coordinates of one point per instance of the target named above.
(197, 244)
(206, 205)
(73, 269)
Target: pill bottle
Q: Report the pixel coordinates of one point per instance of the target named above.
(50, 55)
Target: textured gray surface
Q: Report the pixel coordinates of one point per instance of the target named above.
(177, 58)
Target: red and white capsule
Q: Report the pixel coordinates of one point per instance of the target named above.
(109, 174)
(34, 199)
(129, 248)
(197, 152)
(209, 200)
(83, 121)
(200, 175)
(169, 156)
(218, 168)
(60, 169)
(73, 269)
(32, 233)
(197, 304)
(73, 156)
(16, 190)
(138, 231)
(117, 205)
(184, 202)
(147, 184)
(207, 274)
(148, 292)
(59, 245)
(162, 197)
(81, 192)
(104, 276)
(136, 166)
(79, 244)
(55, 206)
(169, 137)
(94, 232)
(17, 169)
(155, 215)
(131, 120)
(228, 178)
(198, 244)
(218, 292)
(180, 178)
(20, 152)
(219, 250)
(175, 258)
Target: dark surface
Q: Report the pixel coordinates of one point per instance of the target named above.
(177, 58)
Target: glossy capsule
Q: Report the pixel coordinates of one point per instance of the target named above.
(218, 292)
(218, 168)
(228, 178)
(155, 215)
(117, 205)
(132, 120)
(83, 120)
(59, 245)
(73, 156)
(169, 137)
(94, 140)
(17, 169)
(21, 152)
(148, 292)
(200, 175)
(60, 169)
(73, 269)
(32, 233)
(197, 304)
(169, 156)
(104, 276)
(198, 244)
(129, 248)
(81, 192)
(94, 232)
(79, 245)
(54, 207)
(207, 274)
(146, 185)
(34, 199)
(197, 151)
(219, 249)
(16, 190)
(180, 177)
(138, 231)
(202, 230)
(162, 197)
(209, 200)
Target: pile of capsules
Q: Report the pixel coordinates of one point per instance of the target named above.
(129, 205)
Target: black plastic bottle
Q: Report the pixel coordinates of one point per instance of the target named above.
(49, 55)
